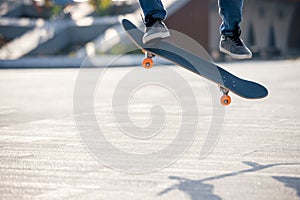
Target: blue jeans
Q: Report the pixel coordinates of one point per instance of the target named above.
(153, 9)
(230, 12)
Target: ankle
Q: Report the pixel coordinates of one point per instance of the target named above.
(150, 21)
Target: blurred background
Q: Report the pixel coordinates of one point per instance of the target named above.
(67, 31)
(42, 154)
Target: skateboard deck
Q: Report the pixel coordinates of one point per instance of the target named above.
(183, 58)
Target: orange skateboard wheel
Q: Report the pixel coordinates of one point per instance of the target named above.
(147, 63)
(225, 100)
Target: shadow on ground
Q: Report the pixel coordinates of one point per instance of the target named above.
(198, 189)
(291, 182)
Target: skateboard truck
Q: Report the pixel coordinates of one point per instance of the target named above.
(147, 62)
(225, 99)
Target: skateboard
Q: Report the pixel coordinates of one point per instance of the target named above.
(226, 81)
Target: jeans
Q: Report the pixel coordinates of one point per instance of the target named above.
(230, 12)
(153, 9)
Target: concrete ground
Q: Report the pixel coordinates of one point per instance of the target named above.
(43, 155)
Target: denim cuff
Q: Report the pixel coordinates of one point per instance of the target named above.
(149, 20)
(237, 32)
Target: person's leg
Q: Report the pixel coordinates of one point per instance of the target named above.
(230, 43)
(153, 9)
(231, 14)
(154, 13)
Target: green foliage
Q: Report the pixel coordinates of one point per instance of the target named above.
(55, 10)
(102, 7)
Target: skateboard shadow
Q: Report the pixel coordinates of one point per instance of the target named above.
(198, 189)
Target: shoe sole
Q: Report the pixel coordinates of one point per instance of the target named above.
(156, 36)
(236, 56)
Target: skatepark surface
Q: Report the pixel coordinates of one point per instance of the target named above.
(253, 148)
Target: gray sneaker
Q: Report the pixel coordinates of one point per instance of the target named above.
(157, 30)
(235, 47)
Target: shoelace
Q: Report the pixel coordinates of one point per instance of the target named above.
(236, 40)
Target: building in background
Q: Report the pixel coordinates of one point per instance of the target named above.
(269, 27)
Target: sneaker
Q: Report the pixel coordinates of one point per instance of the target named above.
(235, 47)
(156, 30)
